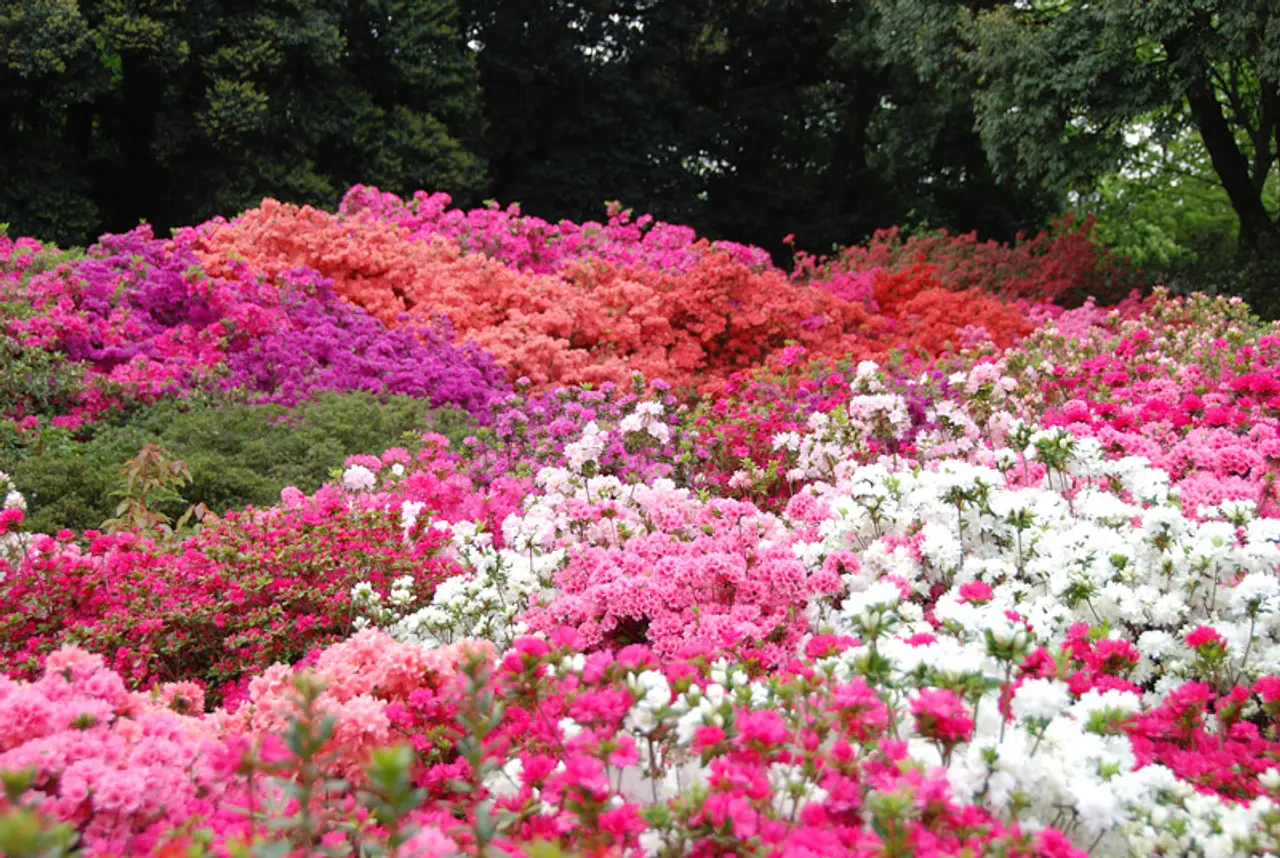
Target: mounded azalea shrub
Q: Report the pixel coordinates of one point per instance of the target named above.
(141, 318)
(123, 769)
(1191, 385)
(150, 774)
(656, 566)
(924, 314)
(594, 322)
(1064, 265)
(254, 588)
(238, 454)
(326, 344)
(692, 321)
(144, 321)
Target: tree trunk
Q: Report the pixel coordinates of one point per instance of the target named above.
(1258, 232)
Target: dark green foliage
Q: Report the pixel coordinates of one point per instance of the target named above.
(112, 111)
(34, 381)
(748, 119)
(580, 107)
(237, 454)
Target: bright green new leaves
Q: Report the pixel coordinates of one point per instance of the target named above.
(1165, 209)
(1061, 83)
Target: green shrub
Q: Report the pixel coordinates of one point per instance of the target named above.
(34, 381)
(237, 454)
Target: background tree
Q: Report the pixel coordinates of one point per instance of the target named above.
(1060, 83)
(576, 113)
(174, 110)
(746, 118)
(1165, 209)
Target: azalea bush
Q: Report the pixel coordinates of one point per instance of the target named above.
(594, 303)
(1190, 385)
(1065, 264)
(247, 589)
(136, 319)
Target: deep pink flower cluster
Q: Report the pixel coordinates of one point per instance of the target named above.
(258, 587)
(1204, 738)
(138, 775)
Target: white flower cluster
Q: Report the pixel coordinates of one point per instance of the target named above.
(586, 449)
(374, 609)
(13, 544)
(831, 440)
(13, 499)
(647, 418)
(1100, 543)
(358, 478)
(1085, 555)
(486, 600)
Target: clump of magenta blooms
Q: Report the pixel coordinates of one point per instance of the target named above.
(931, 547)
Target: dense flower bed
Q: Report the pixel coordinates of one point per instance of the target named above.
(956, 572)
(591, 303)
(146, 320)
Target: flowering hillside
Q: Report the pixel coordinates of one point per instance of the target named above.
(915, 550)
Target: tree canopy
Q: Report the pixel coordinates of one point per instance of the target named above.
(1062, 84)
(174, 110)
(747, 119)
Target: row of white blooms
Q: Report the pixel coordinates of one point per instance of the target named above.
(1147, 575)
(1097, 541)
